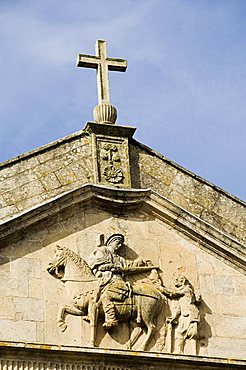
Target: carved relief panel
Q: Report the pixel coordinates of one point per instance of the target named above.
(118, 282)
(113, 162)
(117, 290)
(110, 150)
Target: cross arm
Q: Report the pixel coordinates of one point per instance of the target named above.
(115, 64)
(87, 61)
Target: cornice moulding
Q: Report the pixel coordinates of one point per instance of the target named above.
(13, 352)
(123, 201)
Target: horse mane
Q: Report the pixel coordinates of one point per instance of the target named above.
(79, 262)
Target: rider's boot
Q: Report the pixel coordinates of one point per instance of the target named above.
(110, 318)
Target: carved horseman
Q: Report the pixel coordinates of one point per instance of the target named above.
(108, 267)
(114, 298)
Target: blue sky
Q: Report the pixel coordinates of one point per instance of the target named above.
(184, 89)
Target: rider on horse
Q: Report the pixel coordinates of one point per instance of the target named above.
(108, 266)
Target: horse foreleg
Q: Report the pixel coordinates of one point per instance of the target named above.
(93, 315)
(135, 334)
(62, 314)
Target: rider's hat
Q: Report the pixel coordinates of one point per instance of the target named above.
(113, 237)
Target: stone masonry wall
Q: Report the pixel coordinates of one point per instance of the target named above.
(37, 176)
(64, 165)
(202, 199)
(30, 297)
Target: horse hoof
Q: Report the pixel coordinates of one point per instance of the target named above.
(128, 346)
(91, 344)
(62, 326)
(141, 349)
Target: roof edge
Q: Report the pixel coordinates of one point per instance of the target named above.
(43, 148)
(82, 133)
(188, 172)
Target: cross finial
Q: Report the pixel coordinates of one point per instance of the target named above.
(103, 64)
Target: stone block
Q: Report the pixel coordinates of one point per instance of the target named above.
(65, 176)
(229, 326)
(4, 266)
(7, 172)
(8, 184)
(23, 267)
(13, 287)
(224, 285)
(35, 288)
(232, 305)
(25, 178)
(29, 190)
(30, 202)
(7, 308)
(82, 170)
(23, 331)
(27, 164)
(49, 181)
(240, 285)
(29, 309)
(8, 211)
(40, 326)
(206, 282)
(227, 347)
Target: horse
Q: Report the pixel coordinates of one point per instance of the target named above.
(141, 307)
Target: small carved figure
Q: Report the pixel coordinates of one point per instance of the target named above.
(186, 316)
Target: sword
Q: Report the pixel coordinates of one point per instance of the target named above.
(135, 270)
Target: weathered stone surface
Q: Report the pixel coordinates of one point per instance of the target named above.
(19, 330)
(30, 309)
(34, 297)
(192, 228)
(67, 164)
(31, 356)
(7, 308)
(191, 192)
(43, 174)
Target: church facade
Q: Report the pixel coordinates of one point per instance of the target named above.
(113, 256)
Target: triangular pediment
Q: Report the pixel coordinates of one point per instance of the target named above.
(155, 229)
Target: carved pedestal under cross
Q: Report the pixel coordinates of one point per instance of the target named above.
(110, 149)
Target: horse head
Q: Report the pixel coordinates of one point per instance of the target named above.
(57, 265)
(69, 266)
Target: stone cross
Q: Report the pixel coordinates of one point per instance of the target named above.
(103, 64)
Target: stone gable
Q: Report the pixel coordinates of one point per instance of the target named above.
(63, 201)
(47, 172)
(155, 229)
